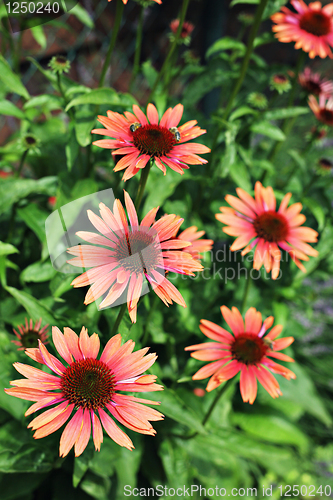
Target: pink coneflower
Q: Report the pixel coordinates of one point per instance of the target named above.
(311, 27)
(198, 245)
(323, 110)
(30, 335)
(257, 220)
(89, 386)
(314, 84)
(187, 28)
(139, 140)
(130, 255)
(280, 83)
(247, 351)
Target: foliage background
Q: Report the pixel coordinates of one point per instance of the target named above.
(279, 442)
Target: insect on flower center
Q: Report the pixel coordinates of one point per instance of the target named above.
(154, 140)
(138, 251)
(271, 226)
(88, 383)
(248, 348)
(315, 22)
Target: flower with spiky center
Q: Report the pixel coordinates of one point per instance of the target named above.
(314, 84)
(89, 387)
(311, 27)
(323, 110)
(140, 140)
(131, 256)
(198, 245)
(185, 34)
(29, 335)
(247, 350)
(59, 64)
(280, 83)
(257, 100)
(257, 220)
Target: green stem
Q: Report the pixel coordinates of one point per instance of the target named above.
(119, 13)
(145, 328)
(23, 157)
(63, 95)
(172, 47)
(138, 43)
(142, 184)
(288, 123)
(243, 70)
(246, 292)
(223, 389)
(118, 320)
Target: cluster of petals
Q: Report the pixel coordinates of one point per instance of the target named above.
(198, 245)
(122, 263)
(161, 140)
(314, 83)
(119, 366)
(257, 224)
(311, 27)
(323, 110)
(247, 350)
(28, 334)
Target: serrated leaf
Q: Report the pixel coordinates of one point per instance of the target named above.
(96, 96)
(11, 81)
(7, 108)
(269, 130)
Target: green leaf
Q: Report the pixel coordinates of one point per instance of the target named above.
(150, 73)
(7, 108)
(95, 486)
(84, 124)
(81, 464)
(14, 190)
(11, 81)
(39, 36)
(317, 210)
(96, 96)
(72, 151)
(38, 272)
(240, 175)
(33, 306)
(225, 43)
(174, 407)
(47, 101)
(160, 187)
(266, 128)
(241, 111)
(271, 428)
(82, 15)
(235, 2)
(35, 218)
(7, 248)
(281, 114)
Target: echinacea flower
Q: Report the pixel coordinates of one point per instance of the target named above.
(60, 64)
(311, 27)
(247, 350)
(280, 83)
(314, 84)
(257, 100)
(198, 245)
(89, 387)
(30, 335)
(131, 255)
(140, 139)
(186, 31)
(323, 110)
(257, 220)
